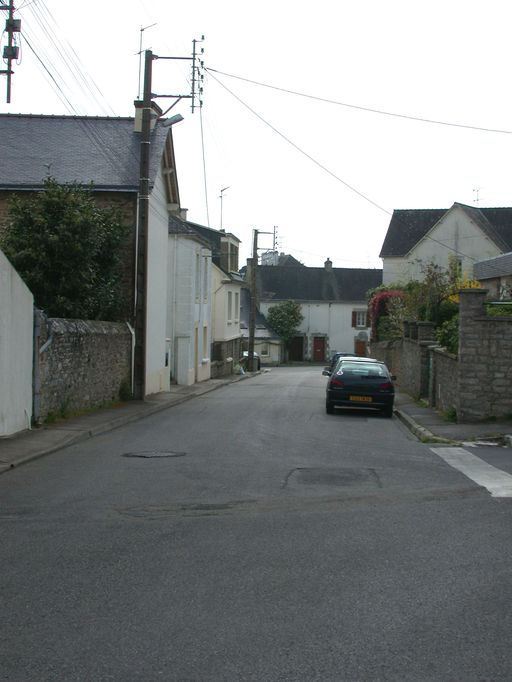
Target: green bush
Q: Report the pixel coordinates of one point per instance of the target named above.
(448, 335)
(499, 310)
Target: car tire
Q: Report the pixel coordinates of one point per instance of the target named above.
(329, 408)
(388, 412)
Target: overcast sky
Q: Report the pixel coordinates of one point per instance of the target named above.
(322, 165)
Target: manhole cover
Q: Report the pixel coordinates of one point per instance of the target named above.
(154, 454)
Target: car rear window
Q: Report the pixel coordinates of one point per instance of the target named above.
(362, 369)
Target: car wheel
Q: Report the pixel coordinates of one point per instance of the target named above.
(329, 408)
(388, 412)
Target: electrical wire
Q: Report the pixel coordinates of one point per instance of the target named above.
(419, 119)
(204, 166)
(336, 177)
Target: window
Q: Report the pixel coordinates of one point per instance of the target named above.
(198, 276)
(359, 318)
(205, 278)
(264, 349)
(237, 307)
(205, 343)
(230, 307)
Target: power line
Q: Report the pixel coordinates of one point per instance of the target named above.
(381, 112)
(336, 177)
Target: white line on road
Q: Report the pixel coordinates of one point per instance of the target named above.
(497, 482)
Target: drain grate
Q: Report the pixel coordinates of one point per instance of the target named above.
(154, 454)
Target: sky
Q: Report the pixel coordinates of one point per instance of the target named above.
(318, 119)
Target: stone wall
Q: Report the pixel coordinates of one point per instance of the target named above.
(475, 383)
(408, 358)
(443, 380)
(485, 360)
(81, 365)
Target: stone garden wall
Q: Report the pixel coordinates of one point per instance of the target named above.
(81, 365)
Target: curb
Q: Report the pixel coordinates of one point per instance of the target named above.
(421, 432)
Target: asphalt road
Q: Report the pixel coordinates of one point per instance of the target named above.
(247, 535)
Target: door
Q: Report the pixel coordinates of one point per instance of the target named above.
(360, 347)
(319, 349)
(296, 349)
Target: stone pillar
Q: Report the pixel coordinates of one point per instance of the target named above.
(472, 366)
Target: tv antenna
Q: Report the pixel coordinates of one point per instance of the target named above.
(221, 197)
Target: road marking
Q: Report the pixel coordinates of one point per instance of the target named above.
(497, 482)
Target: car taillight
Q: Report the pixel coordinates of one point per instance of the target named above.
(386, 387)
(337, 382)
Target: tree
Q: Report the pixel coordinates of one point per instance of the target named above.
(285, 318)
(68, 251)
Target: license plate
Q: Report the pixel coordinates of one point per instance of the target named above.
(361, 398)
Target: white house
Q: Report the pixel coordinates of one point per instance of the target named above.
(468, 234)
(333, 303)
(189, 288)
(226, 286)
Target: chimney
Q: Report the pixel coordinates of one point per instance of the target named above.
(328, 265)
(156, 112)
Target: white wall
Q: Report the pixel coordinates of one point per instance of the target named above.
(157, 374)
(189, 309)
(332, 320)
(224, 329)
(455, 235)
(16, 347)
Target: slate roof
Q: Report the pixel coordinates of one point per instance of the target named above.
(283, 283)
(408, 227)
(262, 329)
(178, 226)
(500, 266)
(80, 149)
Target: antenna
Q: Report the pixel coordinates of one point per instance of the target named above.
(142, 29)
(221, 197)
(476, 192)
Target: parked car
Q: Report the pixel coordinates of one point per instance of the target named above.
(244, 360)
(327, 371)
(362, 383)
(336, 356)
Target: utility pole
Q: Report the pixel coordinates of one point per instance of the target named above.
(252, 311)
(11, 51)
(141, 257)
(139, 384)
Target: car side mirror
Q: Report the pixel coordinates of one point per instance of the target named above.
(393, 377)
(326, 372)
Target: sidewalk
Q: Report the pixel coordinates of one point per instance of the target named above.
(424, 422)
(429, 425)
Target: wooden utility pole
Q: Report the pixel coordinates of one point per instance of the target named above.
(252, 310)
(11, 51)
(139, 369)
